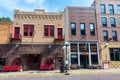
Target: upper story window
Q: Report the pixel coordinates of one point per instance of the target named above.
(111, 9)
(28, 30)
(92, 29)
(49, 30)
(114, 35)
(82, 29)
(102, 7)
(112, 22)
(105, 35)
(73, 28)
(118, 9)
(104, 22)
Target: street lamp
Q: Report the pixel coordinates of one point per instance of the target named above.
(66, 60)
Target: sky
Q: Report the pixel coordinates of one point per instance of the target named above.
(7, 7)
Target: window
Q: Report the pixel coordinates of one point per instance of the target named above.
(49, 30)
(82, 29)
(105, 35)
(118, 9)
(28, 30)
(112, 22)
(104, 22)
(74, 59)
(73, 47)
(114, 54)
(83, 47)
(102, 7)
(93, 47)
(92, 29)
(114, 35)
(111, 9)
(73, 29)
(94, 59)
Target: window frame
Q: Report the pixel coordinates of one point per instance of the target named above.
(111, 8)
(112, 22)
(114, 38)
(73, 31)
(49, 30)
(105, 38)
(92, 31)
(103, 11)
(104, 21)
(82, 31)
(29, 30)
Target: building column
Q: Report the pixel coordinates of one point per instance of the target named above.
(98, 54)
(89, 54)
(78, 52)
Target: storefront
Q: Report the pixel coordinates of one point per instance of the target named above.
(84, 54)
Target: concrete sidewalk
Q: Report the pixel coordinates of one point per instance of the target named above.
(57, 72)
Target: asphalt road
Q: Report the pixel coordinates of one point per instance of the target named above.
(67, 77)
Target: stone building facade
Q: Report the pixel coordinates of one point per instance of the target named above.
(81, 34)
(37, 36)
(108, 24)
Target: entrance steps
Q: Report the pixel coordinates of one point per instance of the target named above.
(115, 64)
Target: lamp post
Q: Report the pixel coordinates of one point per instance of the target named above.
(66, 60)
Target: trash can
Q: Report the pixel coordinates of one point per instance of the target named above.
(62, 69)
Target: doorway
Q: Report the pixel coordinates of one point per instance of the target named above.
(33, 61)
(84, 61)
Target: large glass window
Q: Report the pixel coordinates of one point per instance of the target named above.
(112, 22)
(111, 9)
(94, 59)
(118, 9)
(114, 35)
(93, 47)
(73, 28)
(92, 29)
(73, 47)
(82, 29)
(105, 35)
(83, 47)
(49, 30)
(74, 59)
(114, 54)
(28, 30)
(104, 22)
(102, 7)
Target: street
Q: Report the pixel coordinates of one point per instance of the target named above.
(67, 77)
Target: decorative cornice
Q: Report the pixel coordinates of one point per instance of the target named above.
(42, 17)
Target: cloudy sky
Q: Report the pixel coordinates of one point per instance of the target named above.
(7, 6)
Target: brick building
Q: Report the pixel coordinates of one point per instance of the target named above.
(108, 24)
(36, 37)
(81, 34)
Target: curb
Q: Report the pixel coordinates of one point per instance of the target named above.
(56, 74)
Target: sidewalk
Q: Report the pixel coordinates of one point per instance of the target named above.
(57, 72)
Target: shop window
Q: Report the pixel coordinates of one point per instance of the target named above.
(73, 47)
(114, 54)
(94, 59)
(93, 47)
(83, 47)
(74, 59)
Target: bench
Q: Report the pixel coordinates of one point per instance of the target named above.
(46, 67)
(10, 68)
